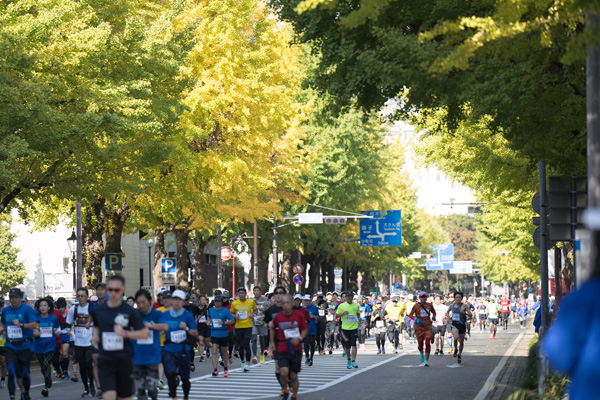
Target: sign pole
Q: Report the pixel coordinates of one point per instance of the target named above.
(219, 261)
(233, 284)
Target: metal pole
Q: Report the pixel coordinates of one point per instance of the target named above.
(574, 226)
(233, 284)
(256, 253)
(275, 260)
(345, 282)
(593, 132)
(150, 267)
(79, 247)
(544, 273)
(557, 274)
(219, 261)
(377, 277)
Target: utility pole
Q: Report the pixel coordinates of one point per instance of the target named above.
(544, 274)
(256, 253)
(79, 246)
(275, 258)
(219, 261)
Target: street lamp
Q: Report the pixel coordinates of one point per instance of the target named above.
(72, 242)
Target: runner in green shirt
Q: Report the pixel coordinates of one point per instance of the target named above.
(349, 313)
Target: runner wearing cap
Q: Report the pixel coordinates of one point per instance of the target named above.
(166, 301)
(349, 312)
(44, 343)
(230, 328)
(148, 352)
(204, 333)
(310, 342)
(363, 323)
(260, 331)
(218, 319)
(17, 321)
(378, 319)
(394, 316)
(269, 315)
(243, 310)
(321, 323)
(330, 317)
(288, 329)
(79, 316)
(176, 352)
(423, 314)
(493, 308)
(159, 292)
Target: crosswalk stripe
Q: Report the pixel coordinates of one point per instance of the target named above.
(260, 381)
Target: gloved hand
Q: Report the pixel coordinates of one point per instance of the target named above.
(418, 321)
(433, 319)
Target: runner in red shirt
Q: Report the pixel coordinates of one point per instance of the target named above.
(288, 329)
(505, 310)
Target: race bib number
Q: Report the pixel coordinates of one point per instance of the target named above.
(178, 336)
(242, 314)
(330, 318)
(14, 332)
(292, 333)
(321, 313)
(81, 331)
(217, 323)
(202, 319)
(424, 313)
(149, 340)
(45, 331)
(350, 318)
(111, 341)
(455, 316)
(379, 324)
(362, 314)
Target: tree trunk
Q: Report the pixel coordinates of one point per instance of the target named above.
(329, 267)
(183, 260)
(569, 267)
(93, 246)
(353, 284)
(367, 283)
(199, 265)
(116, 217)
(159, 253)
(286, 269)
(263, 270)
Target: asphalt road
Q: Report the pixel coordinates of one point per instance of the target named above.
(378, 376)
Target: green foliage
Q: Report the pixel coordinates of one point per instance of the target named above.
(462, 230)
(12, 271)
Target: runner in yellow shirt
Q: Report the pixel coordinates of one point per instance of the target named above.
(243, 310)
(394, 318)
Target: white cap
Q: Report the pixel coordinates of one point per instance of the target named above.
(307, 297)
(94, 298)
(180, 294)
(161, 290)
(297, 296)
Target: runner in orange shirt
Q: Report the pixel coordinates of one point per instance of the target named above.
(423, 314)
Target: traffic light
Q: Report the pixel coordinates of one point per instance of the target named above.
(566, 202)
(428, 256)
(335, 220)
(505, 253)
(535, 204)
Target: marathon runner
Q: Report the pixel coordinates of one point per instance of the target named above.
(159, 292)
(176, 352)
(423, 314)
(44, 342)
(321, 323)
(100, 299)
(482, 315)
(331, 323)
(116, 323)
(493, 316)
(218, 318)
(79, 315)
(394, 315)
(243, 310)
(505, 311)
(230, 328)
(192, 341)
(378, 319)
(17, 323)
(288, 329)
(522, 313)
(439, 326)
(310, 341)
(364, 322)
(148, 352)
(458, 313)
(260, 331)
(349, 312)
(269, 315)
(204, 333)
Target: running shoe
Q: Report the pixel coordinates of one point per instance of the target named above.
(441, 352)
(192, 368)
(426, 363)
(330, 352)
(344, 353)
(395, 351)
(437, 352)
(491, 336)
(215, 372)
(93, 391)
(378, 351)
(354, 364)
(226, 373)
(285, 396)
(459, 360)
(160, 384)
(494, 337)
(383, 350)
(421, 357)
(245, 367)
(201, 358)
(45, 392)
(455, 353)
(349, 364)
(74, 379)
(307, 361)
(400, 346)
(99, 393)
(262, 359)
(254, 360)
(310, 363)
(86, 394)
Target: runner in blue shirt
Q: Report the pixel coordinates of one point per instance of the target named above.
(176, 353)
(310, 341)
(44, 343)
(148, 352)
(363, 322)
(218, 319)
(17, 322)
(522, 312)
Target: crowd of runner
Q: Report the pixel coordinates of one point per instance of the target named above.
(109, 341)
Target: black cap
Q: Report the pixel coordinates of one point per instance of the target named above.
(218, 298)
(241, 288)
(15, 292)
(167, 295)
(218, 292)
(100, 284)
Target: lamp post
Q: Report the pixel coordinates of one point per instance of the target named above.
(150, 243)
(72, 242)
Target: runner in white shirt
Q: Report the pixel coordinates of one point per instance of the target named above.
(79, 315)
(439, 326)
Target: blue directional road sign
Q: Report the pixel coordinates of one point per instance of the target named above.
(113, 262)
(381, 231)
(443, 257)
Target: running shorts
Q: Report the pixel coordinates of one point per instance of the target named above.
(439, 330)
(116, 375)
(203, 330)
(462, 328)
(220, 341)
(291, 361)
(349, 337)
(493, 321)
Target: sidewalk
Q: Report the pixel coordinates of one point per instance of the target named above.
(513, 373)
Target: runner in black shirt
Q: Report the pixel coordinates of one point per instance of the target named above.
(115, 323)
(203, 328)
(192, 341)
